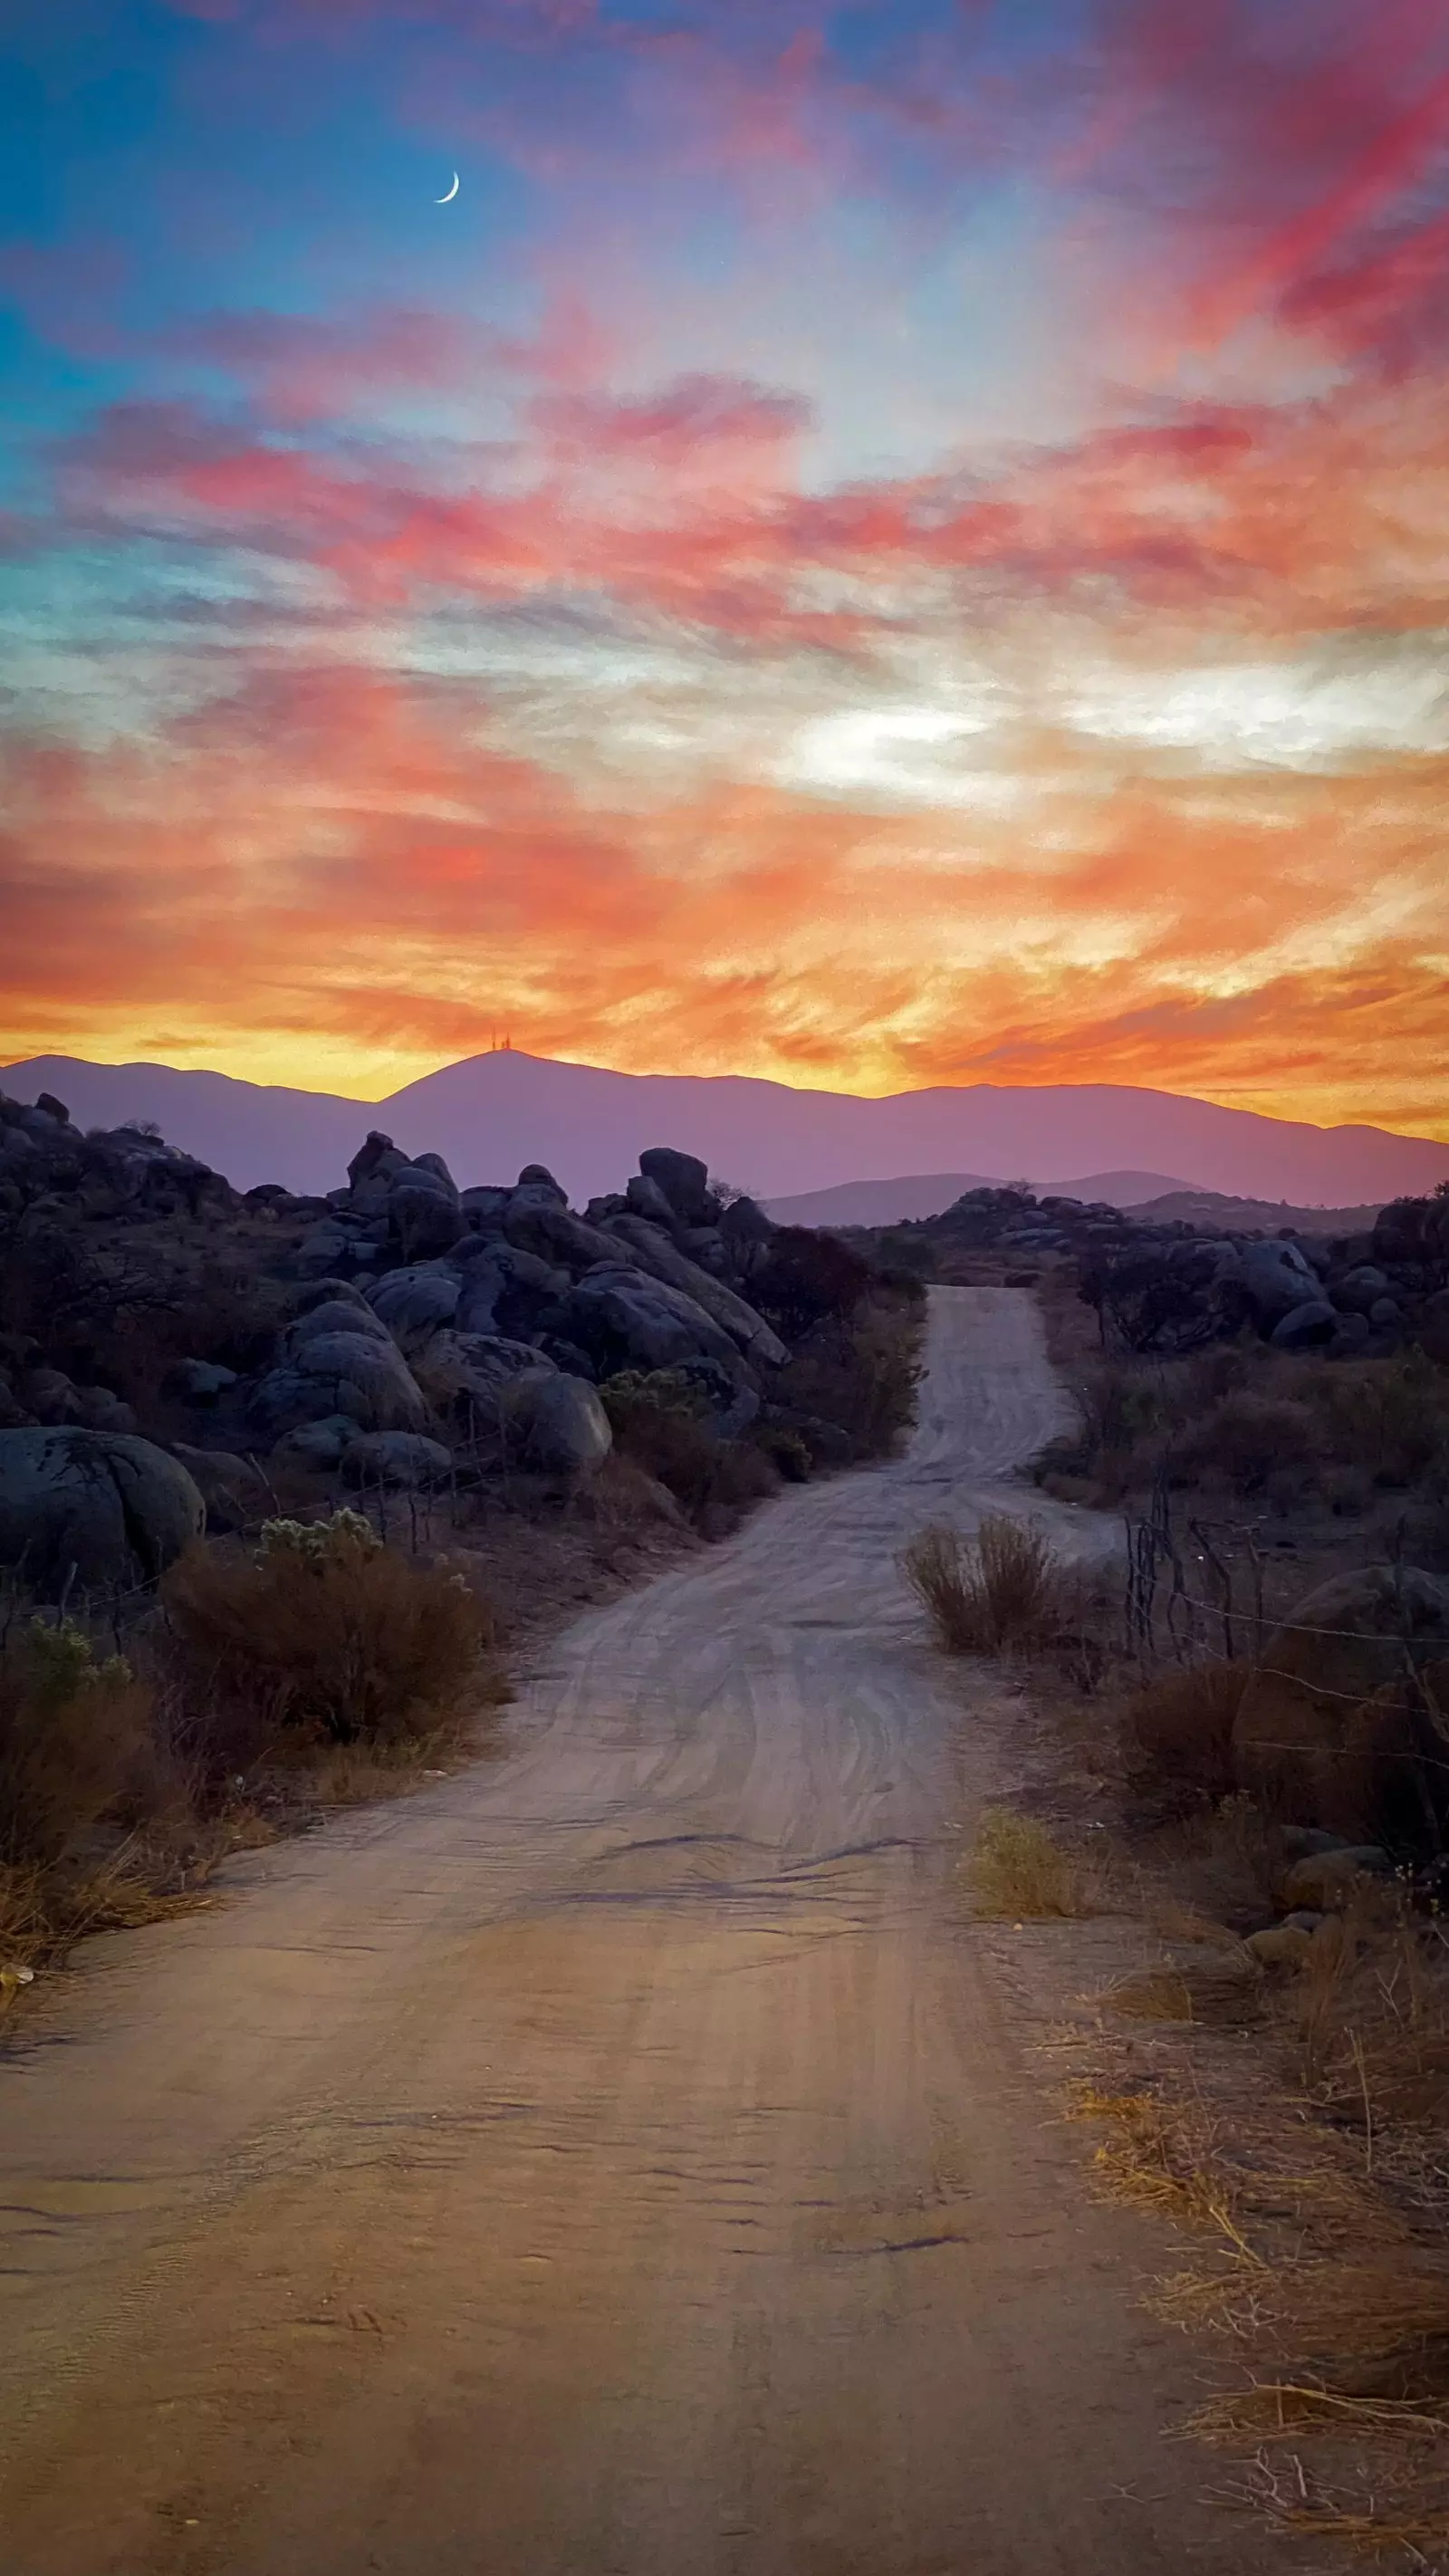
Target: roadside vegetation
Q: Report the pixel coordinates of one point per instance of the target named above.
(265, 1681)
(1251, 1702)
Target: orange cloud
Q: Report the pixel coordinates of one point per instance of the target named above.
(337, 880)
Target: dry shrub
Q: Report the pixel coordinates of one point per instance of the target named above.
(856, 1376)
(75, 1741)
(1019, 1870)
(620, 1497)
(1249, 1436)
(324, 1629)
(1223, 1991)
(661, 1425)
(1003, 1588)
(1178, 1732)
(1369, 2020)
(1164, 2160)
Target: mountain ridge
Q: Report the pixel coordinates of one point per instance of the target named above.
(490, 1114)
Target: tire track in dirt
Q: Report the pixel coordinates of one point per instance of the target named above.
(620, 2160)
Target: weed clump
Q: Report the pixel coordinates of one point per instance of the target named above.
(1004, 1588)
(74, 1733)
(324, 1629)
(1019, 1870)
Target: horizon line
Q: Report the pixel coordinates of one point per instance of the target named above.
(771, 1082)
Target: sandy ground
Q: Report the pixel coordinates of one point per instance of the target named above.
(623, 2160)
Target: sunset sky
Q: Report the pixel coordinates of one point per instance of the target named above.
(875, 544)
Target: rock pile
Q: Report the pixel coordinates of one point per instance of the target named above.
(1171, 1287)
(423, 1321)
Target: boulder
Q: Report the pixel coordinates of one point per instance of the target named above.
(49, 1394)
(435, 1164)
(748, 1331)
(326, 1292)
(423, 1212)
(1335, 1728)
(418, 1300)
(683, 1179)
(377, 1158)
(349, 1373)
(644, 1197)
(1275, 1277)
(322, 1247)
(537, 1176)
(403, 1458)
(535, 1223)
(99, 1409)
(1307, 1327)
(1328, 1881)
(557, 1424)
(508, 1290)
(232, 1488)
(320, 1445)
(1356, 1291)
(199, 1381)
(115, 1507)
(467, 1370)
(625, 1318)
(334, 1315)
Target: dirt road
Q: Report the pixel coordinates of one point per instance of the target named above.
(617, 2161)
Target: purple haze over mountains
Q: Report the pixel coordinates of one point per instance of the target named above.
(492, 1113)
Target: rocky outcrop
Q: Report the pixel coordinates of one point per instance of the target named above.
(1172, 1287)
(92, 1507)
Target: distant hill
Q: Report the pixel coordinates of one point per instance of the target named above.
(921, 1194)
(1267, 1216)
(493, 1113)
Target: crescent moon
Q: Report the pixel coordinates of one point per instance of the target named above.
(452, 192)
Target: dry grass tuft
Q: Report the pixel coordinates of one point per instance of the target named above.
(1004, 1588)
(1224, 1991)
(1019, 1871)
(1163, 2161)
(322, 1628)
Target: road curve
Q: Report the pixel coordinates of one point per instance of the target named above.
(618, 2161)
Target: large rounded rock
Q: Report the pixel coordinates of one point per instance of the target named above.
(632, 1320)
(335, 1315)
(115, 1508)
(1309, 1327)
(556, 1423)
(468, 1371)
(423, 1215)
(418, 1300)
(351, 1373)
(683, 1179)
(664, 1261)
(1275, 1278)
(1334, 1728)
